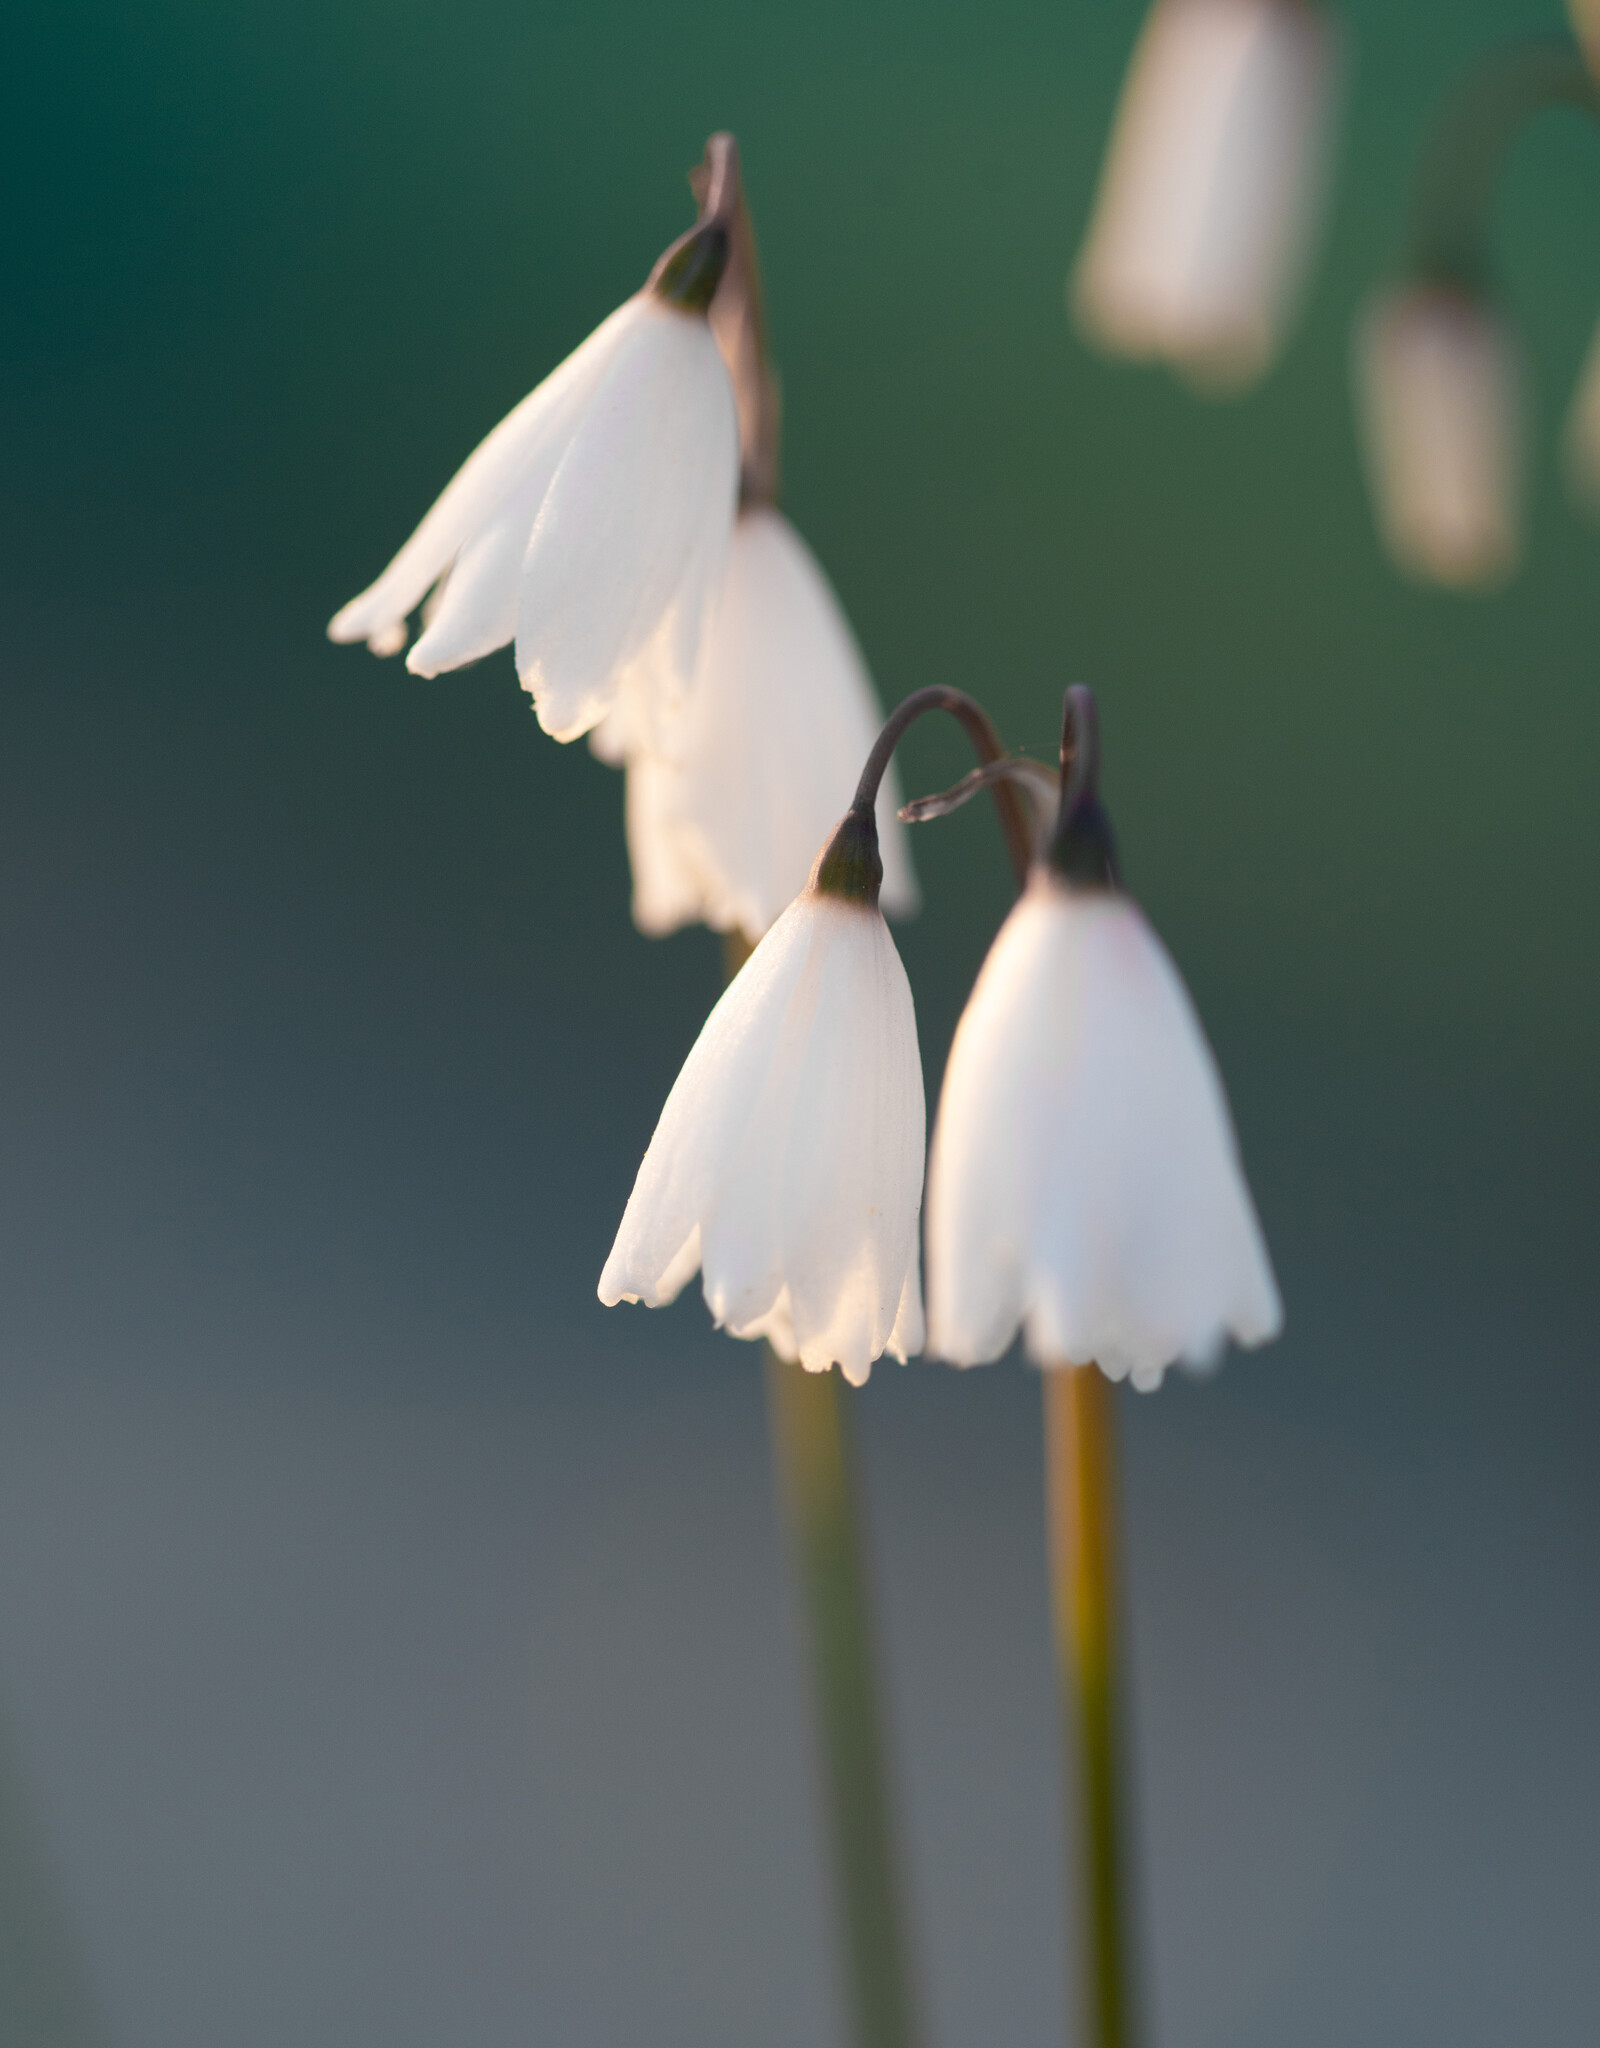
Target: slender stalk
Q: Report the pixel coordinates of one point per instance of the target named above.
(813, 1458)
(809, 1418)
(1080, 1479)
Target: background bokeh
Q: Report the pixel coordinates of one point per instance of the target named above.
(394, 1645)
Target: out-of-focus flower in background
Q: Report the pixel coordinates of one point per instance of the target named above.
(1585, 17)
(1439, 392)
(1212, 190)
(1085, 1182)
(732, 787)
(592, 525)
(1581, 433)
(787, 1163)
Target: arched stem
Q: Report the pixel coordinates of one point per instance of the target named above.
(979, 728)
(1467, 145)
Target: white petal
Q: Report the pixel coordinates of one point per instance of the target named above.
(388, 639)
(910, 1332)
(1439, 384)
(669, 890)
(1213, 185)
(634, 528)
(1088, 1178)
(477, 492)
(851, 1186)
(710, 1105)
(761, 758)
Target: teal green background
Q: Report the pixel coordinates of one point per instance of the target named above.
(393, 1642)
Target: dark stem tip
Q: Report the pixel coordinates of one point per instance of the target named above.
(1082, 848)
(850, 866)
(688, 274)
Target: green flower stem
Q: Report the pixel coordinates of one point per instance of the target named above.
(809, 1422)
(1080, 1474)
(809, 1418)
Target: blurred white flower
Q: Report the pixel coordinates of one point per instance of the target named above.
(1084, 1184)
(787, 1164)
(593, 523)
(1212, 190)
(732, 787)
(1439, 391)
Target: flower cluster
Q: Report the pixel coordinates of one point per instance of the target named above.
(621, 528)
(1084, 1186)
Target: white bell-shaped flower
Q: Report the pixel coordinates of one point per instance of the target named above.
(732, 786)
(593, 523)
(787, 1163)
(1213, 187)
(1439, 390)
(1084, 1184)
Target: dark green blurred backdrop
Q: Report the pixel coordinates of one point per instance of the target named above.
(393, 1644)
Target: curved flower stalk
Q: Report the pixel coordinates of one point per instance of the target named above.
(733, 784)
(1084, 1184)
(787, 1164)
(1440, 385)
(592, 525)
(1438, 371)
(1212, 190)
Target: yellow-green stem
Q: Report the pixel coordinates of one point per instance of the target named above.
(1080, 1472)
(811, 1449)
(808, 1417)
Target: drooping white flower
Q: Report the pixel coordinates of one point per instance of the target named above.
(1084, 1183)
(592, 524)
(787, 1163)
(1439, 390)
(732, 786)
(1212, 190)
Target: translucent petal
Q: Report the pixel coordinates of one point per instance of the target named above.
(708, 1110)
(1439, 382)
(477, 492)
(760, 759)
(1087, 1182)
(634, 528)
(793, 1142)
